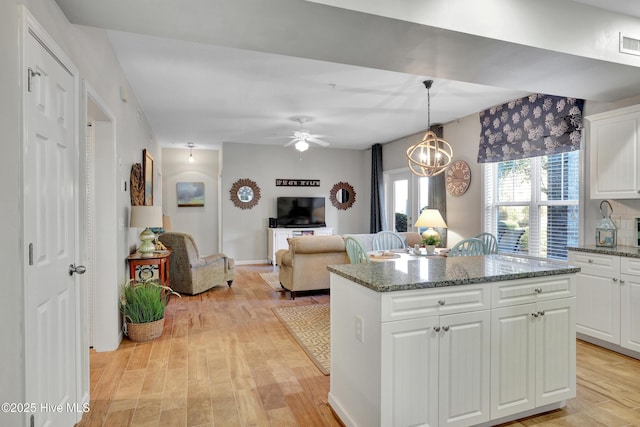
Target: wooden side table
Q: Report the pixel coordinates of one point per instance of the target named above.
(146, 266)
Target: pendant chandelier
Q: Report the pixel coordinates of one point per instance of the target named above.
(432, 154)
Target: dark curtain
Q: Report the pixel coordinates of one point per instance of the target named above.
(377, 222)
(438, 193)
(536, 125)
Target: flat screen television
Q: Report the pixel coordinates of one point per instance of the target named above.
(301, 212)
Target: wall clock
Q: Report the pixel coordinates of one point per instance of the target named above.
(458, 178)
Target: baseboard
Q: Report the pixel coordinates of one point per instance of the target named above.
(248, 262)
(609, 346)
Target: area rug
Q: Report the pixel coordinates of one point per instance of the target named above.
(273, 280)
(309, 325)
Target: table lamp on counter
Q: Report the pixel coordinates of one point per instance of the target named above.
(146, 217)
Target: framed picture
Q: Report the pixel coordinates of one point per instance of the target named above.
(190, 194)
(147, 170)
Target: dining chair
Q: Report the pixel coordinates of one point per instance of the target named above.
(468, 247)
(387, 240)
(355, 250)
(490, 242)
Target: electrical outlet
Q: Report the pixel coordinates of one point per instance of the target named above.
(359, 328)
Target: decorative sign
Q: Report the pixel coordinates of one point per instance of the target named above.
(297, 183)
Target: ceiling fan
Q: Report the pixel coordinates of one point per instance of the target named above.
(301, 138)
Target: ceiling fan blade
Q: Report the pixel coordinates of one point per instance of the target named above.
(290, 143)
(318, 141)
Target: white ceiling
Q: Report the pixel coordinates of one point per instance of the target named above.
(249, 69)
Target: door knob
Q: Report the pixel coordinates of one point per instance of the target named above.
(80, 269)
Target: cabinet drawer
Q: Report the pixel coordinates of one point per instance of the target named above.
(514, 292)
(596, 264)
(429, 302)
(630, 265)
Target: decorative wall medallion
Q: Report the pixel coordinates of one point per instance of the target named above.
(342, 195)
(458, 178)
(245, 193)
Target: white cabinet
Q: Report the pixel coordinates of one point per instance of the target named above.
(533, 355)
(453, 355)
(597, 295)
(614, 153)
(435, 370)
(608, 297)
(277, 238)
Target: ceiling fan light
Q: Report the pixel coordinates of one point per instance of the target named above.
(302, 146)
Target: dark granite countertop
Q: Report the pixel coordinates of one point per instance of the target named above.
(628, 251)
(421, 273)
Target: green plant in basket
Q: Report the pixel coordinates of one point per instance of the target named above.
(430, 241)
(142, 302)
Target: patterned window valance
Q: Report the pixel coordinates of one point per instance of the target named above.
(536, 125)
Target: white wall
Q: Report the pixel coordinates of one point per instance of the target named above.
(245, 231)
(464, 213)
(200, 222)
(11, 287)
(96, 62)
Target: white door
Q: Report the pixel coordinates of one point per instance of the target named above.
(555, 351)
(629, 312)
(398, 188)
(51, 355)
(465, 346)
(597, 313)
(409, 377)
(513, 365)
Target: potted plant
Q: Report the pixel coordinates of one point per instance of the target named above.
(143, 305)
(430, 243)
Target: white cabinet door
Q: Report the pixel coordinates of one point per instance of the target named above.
(598, 301)
(465, 345)
(555, 351)
(513, 341)
(630, 312)
(533, 356)
(409, 377)
(613, 152)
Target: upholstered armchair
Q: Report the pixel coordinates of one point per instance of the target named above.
(189, 272)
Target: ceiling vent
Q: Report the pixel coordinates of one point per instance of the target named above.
(629, 44)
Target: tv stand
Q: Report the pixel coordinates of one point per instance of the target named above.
(277, 238)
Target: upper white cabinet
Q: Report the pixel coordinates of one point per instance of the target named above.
(614, 153)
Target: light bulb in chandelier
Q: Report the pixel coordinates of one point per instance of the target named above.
(431, 155)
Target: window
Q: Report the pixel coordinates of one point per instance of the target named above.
(531, 205)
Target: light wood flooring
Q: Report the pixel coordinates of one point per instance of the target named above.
(224, 359)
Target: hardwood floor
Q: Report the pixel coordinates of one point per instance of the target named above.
(224, 359)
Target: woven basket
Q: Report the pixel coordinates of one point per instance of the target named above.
(141, 332)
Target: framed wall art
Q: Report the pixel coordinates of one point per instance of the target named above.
(147, 170)
(190, 194)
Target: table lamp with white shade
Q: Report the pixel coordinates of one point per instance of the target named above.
(146, 217)
(430, 218)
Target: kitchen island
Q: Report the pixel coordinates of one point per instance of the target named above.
(451, 341)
